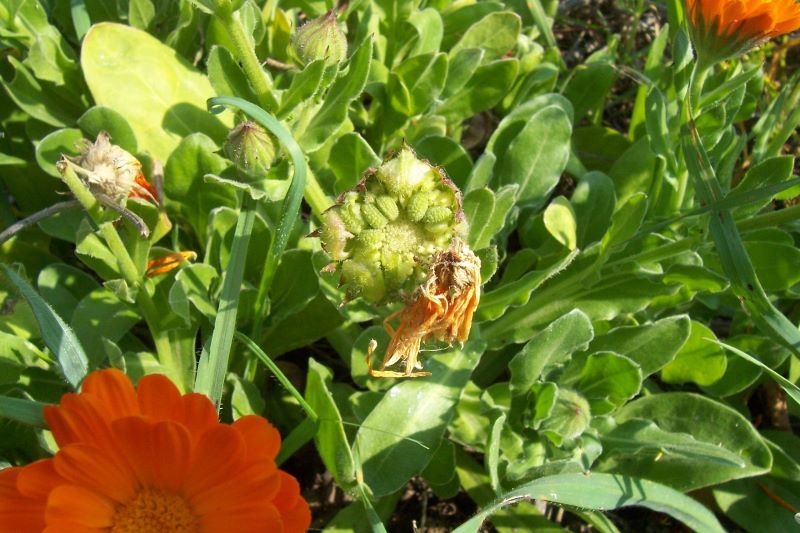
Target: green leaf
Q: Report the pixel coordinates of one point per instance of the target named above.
(485, 88)
(101, 315)
(604, 376)
(330, 439)
(646, 439)
(445, 152)
(588, 87)
(333, 112)
(700, 360)
(304, 85)
(496, 34)
(56, 333)
(747, 503)
(626, 220)
(518, 292)
(593, 201)
(26, 412)
(651, 346)
(705, 420)
(51, 148)
(156, 90)
(226, 75)
(538, 155)
(101, 118)
(295, 284)
(399, 437)
(559, 219)
(553, 345)
(633, 171)
(40, 99)
(350, 157)
(461, 68)
(486, 213)
(604, 492)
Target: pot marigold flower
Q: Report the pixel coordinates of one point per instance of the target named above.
(150, 460)
(168, 262)
(723, 28)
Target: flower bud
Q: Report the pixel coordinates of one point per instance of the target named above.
(321, 38)
(382, 228)
(251, 148)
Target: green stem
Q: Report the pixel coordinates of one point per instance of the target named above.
(151, 314)
(317, 199)
(246, 55)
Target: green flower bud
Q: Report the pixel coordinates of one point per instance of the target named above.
(251, 148)
(568, 419)
(392, 224)
(321, 38)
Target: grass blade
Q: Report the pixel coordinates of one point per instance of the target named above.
(56, 333)
(790, 388)
(27, 412)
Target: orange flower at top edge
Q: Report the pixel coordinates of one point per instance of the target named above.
(723, 28)
(149, 460)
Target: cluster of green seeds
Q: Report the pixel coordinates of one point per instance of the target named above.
(384, 232)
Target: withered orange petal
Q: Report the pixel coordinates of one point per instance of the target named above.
(114, 389)
(159, 398)
(71, 507)
(261, 437)
(159, 453)
(87, 466)
(38, 478)
(218, 456)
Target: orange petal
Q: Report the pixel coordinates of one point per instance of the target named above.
(37, 479)
(262, 439)
(18, 514)
(254, 519)
(159, 398)
(70, 507)
(78, 418)
(159, 453)
(219, 455)
(96, 470)
(199, 414)
(114, 389)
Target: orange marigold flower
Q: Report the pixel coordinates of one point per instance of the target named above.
(723, 28)
(150, 460)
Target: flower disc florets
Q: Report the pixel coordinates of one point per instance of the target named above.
(386, 231)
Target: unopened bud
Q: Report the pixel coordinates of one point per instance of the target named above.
(251, 148)
(321, 38)
(390, 227)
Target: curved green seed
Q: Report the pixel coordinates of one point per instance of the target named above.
(417, 206)
(372, 215)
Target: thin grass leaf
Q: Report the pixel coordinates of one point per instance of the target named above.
(270, 364)
(291, 204)
(213, 364)
(604, 492)
(56, 333)
(790, 388)
(27, 412)
(732, 253)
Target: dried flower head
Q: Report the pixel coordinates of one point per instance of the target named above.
(110, 171)
(724, 28)
(385, 232)
(150, 460)
(441, 309)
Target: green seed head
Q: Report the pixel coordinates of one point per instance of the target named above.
(321, 38)
(251, 148)
(386, 230)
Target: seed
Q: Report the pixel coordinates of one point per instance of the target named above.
(417, 206)
(372, 215)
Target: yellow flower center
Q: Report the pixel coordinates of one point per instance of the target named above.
(156, 511)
